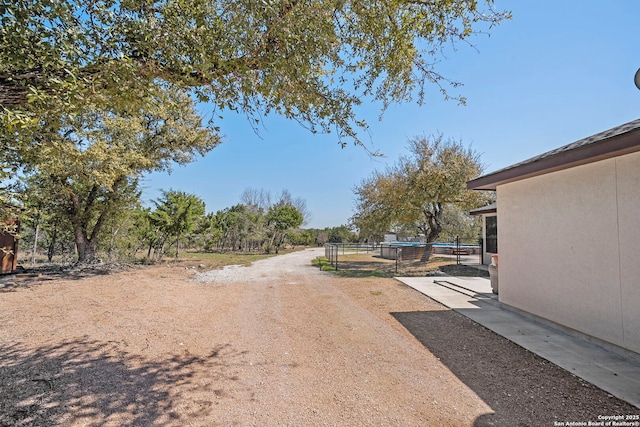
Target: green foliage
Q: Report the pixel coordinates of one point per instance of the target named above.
(340, 234)
(283, 217)
(130, 233)
(323, 264)
(67, 204)
(418, 190)
(256, 224)
(318, 237)
(176, 214)
(87, 169)
(456, 222)
(311, 61)
(237, 227)
(104, 145)
(303, 237)
(280, 219)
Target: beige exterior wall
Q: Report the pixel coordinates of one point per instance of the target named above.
(569, 243)
(629, 221)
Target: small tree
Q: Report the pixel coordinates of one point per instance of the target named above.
(236, 227)
(341, 234)
(176, 214)
(143, 233)
(279, 220)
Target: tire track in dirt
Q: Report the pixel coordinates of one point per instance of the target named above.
(322, 356)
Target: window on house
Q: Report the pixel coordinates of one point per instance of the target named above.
(491, 240)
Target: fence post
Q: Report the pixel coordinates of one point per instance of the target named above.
(458, 250)
(333, 255)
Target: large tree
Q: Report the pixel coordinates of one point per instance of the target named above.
(312, 61)
(93, 162)
(419, 188)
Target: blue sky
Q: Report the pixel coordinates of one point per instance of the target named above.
(559, 71)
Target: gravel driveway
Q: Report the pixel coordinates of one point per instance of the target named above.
(278, 343)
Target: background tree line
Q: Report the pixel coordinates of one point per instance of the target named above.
(177, 221)
(422, 195)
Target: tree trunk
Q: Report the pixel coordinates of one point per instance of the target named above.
(51, 250)
(426, 255)
(86, 247)
(434, 226)
(35, 242)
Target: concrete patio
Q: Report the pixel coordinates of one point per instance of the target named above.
(618, 373)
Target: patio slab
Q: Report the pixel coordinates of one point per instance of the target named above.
(611, 371)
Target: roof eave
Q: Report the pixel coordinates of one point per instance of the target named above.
(483, 211)
(607, 148)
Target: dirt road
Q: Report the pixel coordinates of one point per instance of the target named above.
(278, 343)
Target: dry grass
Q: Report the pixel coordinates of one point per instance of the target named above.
(372, 265)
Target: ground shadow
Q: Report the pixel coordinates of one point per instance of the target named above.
(96, 383)
(36, 276)
(461, 270)
(517, 384)
(371, 265)
(376, 266)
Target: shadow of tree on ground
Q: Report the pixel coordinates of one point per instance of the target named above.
(521, 387)
(95, 383)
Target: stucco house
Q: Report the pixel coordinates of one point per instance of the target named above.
(569, 235)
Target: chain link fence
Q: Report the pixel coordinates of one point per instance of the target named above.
(332, 251)
(395, 257)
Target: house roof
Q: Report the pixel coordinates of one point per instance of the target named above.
(492, 208)
(620, 140)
